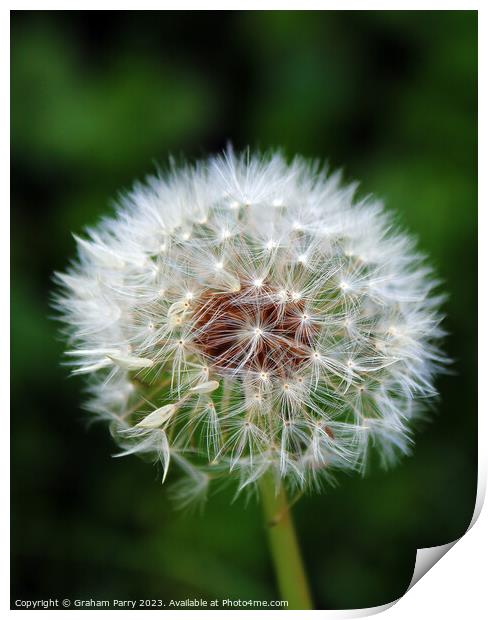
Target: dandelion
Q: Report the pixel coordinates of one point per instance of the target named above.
(248, 318)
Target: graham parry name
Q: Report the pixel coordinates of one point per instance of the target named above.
(95, 603)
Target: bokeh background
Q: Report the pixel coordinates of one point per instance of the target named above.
(97, 99)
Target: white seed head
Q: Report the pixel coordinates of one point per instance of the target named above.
(297, 356)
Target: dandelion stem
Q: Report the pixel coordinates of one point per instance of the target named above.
(287, 560)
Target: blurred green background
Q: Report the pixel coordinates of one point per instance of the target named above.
(97, 98)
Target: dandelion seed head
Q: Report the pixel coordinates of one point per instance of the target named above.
(247, 314)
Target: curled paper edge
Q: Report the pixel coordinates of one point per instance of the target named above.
(427, 557)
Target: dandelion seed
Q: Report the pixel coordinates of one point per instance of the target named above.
(205, 388)
(130, 363)
(158, 417)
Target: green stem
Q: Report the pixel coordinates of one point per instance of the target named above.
(285, 552)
